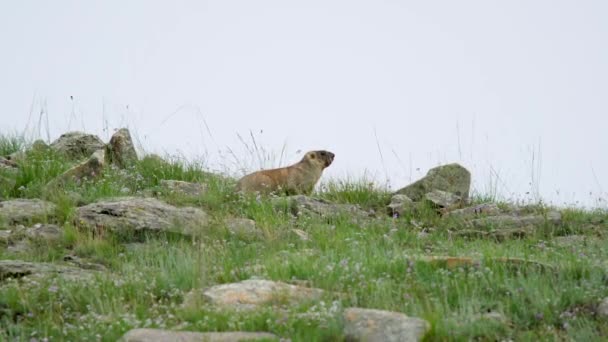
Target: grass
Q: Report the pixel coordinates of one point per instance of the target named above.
(370, 263)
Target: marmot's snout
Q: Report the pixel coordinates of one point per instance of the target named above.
(328, 157)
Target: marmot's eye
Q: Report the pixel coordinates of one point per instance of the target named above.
(322, 153)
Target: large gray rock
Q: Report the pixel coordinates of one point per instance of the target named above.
(252, 293)
(304, 205)
(88, 169)
(377, 325)
(121, 151)
(25, 211)
(77, 145)
(159, 335)
(451, 178)
(141, 214)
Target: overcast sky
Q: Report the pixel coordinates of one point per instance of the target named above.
(516, 91)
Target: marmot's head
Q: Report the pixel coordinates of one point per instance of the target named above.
(321, 158)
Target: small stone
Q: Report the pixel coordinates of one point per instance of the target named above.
(47, 232)
(401, 205)
(378, 325)
(243, 227)
(301, 234)
(159, 335)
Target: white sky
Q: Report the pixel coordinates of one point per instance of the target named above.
(516, 89)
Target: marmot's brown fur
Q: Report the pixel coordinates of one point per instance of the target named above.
(299, 178)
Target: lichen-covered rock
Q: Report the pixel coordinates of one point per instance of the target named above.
(26, 211)
(514, 221)
(401, 205)
(442, 199)
(242, 227)
(452, 178)
(88, 169)
(120, 149)
(252, 293)
(186, 189)
(378, 325)
(159, 335)
(77, 145)
(304, 205)
(484, 209)
(45, 232)
(125, 214)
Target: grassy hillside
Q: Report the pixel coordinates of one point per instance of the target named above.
(370, 263)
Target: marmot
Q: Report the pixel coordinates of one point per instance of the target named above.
(299, 178)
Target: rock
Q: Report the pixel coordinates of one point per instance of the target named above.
(442, 199)
(159, 335)
(182, 188)
(512, 221)
(252, 293)
(88, 169)
(451, 178)
(570, 240)
(26, 211)
(128, 214)
(4, 236)
(120, 149)
(242, 227)
(8, 176)
(301, 234)
(46, 232)
(499, 235)
(378, 325)
(77, 145)
(16, 269)
(400, 205)
(77, 261)
(602, 308)
(484, 209)
(304, 205)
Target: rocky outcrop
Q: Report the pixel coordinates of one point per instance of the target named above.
(26, 211)
(132, 214)
(304, 205)
(252, 293)
(77, 145)
(159, 335)
(121, 151)
(378, 325)
(452, 178)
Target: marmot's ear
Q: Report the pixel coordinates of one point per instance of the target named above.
(312, 156)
